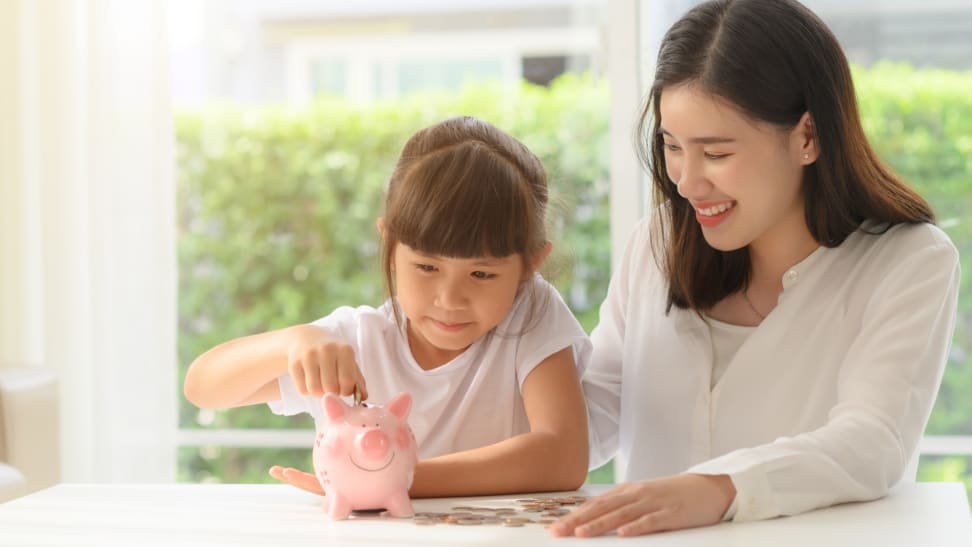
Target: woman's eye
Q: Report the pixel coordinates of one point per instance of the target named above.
(482, 275)
(671, 147)
(715, 156)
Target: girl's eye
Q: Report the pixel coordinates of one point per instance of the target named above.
(482, 275)
(425, 267)
(672, 147)
(715, 156)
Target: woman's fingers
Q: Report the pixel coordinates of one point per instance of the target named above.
(670, 503)
(592, 517)
(649, 523)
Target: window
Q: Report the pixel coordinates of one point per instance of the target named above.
(289, 118)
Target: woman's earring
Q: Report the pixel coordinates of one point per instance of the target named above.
(806, 156)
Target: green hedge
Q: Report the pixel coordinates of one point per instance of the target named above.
(277, 209)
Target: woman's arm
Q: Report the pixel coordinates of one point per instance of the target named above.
(887, 385)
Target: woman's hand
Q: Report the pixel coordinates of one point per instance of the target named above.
(298, 478)
(320, 363)
(636, 508)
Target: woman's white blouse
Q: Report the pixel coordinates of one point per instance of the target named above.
(826, 400)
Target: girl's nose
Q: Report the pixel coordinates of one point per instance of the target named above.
(450, 296)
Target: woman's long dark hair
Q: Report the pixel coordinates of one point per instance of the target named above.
(774, 60)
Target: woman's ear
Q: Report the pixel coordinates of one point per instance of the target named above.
(380, 224)
(804, 140)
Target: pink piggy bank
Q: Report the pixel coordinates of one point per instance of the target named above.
(365, 456)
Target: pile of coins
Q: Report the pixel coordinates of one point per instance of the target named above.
(530, 511)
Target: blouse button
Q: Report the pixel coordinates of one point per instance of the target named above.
(791, 276)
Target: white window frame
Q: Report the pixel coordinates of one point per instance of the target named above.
(363, 53)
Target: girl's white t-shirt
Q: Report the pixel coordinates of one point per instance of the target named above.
(473, 400)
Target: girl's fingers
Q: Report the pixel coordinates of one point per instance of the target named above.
(361, 385)
(347, 371)
(297, 373)
(297, 478)
(303, 480)
(316, 370)
(328, 376)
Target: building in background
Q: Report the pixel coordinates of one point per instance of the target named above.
(257, 51)
(293, 50)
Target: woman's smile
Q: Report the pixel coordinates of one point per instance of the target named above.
(711, 214)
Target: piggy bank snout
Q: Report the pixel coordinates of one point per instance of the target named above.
(374, 444)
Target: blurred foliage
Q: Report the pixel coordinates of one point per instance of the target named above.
(277, 210)
(244, 465)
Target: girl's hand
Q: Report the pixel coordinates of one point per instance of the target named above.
(320, 363)
(633, 509)
(298, 478)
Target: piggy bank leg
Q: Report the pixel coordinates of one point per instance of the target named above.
(336, 506)
(399, 505)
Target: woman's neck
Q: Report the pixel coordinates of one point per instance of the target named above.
(775, 253)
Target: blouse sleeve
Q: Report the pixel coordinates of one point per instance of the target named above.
(887, 386)
(602, 380)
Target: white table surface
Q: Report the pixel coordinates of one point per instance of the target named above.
(922, 514)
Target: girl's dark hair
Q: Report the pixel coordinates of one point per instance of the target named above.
(773, 60)
(463, 188)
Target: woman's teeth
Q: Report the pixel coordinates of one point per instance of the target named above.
(717, 209)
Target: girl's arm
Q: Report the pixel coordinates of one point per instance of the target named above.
(552, 456)
(244, 371)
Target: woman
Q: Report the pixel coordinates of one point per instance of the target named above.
(776, 333)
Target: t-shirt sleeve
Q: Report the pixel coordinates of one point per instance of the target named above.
(342, 323)
(554, 329)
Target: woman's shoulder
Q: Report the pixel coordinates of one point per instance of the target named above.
(875, 250)
(905, 239)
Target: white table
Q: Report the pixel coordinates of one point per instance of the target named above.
(923, 514)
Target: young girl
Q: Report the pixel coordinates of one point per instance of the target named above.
(487, 348)
(781, 323)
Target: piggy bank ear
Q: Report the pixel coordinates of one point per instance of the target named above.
(400, 405)
(334, 407)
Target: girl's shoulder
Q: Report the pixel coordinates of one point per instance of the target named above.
(348, 319)
(538, 304)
